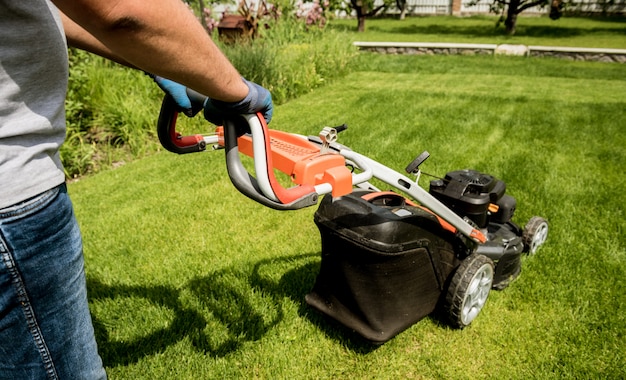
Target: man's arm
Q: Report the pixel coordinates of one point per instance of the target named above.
(161, 37)
(80, 38)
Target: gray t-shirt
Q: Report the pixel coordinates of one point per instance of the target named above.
(33, 85)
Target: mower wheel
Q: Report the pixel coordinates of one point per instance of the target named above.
(534, 234)
(468, 290)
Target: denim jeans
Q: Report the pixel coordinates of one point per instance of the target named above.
(45, 326)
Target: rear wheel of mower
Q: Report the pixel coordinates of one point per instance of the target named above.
(535, 234)
(468, 290)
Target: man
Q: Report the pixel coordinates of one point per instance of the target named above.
(45, 326)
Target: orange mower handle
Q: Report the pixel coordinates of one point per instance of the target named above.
(268, 148)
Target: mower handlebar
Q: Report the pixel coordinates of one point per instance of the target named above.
(264, 189)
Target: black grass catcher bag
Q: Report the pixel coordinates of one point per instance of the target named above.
(384, 264)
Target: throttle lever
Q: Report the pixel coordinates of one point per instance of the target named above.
(327, 136)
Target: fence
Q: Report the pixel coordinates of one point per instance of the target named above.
(463, 7)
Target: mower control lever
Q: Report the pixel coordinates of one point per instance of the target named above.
(341, 128)
(315, 174)
(250, 186)
(413, 167)
(327, 136)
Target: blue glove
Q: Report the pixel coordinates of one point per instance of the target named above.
(258, 99)
(186, 104)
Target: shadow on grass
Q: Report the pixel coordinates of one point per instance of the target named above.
(295, 284)
(228, 308)
(121, 352)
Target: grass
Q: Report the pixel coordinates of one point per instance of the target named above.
(188, 279)
(567, 31)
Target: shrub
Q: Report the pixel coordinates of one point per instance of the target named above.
(110, 112)
(291, 59)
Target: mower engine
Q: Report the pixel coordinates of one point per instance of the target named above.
(480, 198)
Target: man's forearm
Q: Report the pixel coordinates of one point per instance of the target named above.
(161, 36)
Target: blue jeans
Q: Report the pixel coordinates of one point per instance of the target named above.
(45, 326)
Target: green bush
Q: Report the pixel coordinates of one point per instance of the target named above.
(290, 60)
(110, 111)
(77, 153)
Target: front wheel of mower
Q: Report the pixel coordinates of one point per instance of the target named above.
(468, 290)
(535, 234)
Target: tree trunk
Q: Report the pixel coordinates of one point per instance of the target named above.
(361, 23)
(402, 6)
(556, 9)
(361, 10)
(511, 17)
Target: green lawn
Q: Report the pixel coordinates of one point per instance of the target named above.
(189, 279)
(542, 31)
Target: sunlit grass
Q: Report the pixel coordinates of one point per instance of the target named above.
(189, 279)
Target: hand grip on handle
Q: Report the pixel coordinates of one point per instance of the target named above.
(169, 137)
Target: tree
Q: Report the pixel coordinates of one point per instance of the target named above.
(509, 9)
(403, 7)
(365, 9)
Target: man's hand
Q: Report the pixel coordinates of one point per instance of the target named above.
(258, 99)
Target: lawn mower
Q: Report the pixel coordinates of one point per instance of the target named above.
(388, 259)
